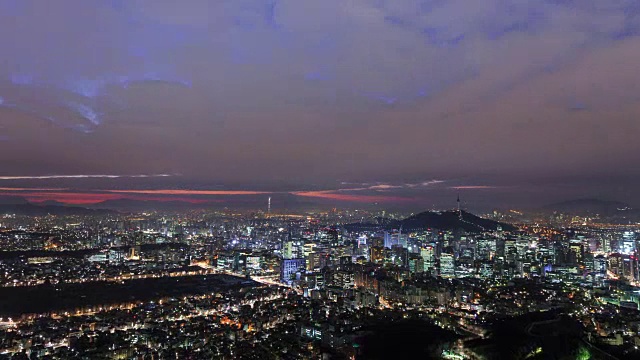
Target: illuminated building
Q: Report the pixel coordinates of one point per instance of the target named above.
(447, 266)
(624, 266)
(116, 256)
(628, 243)
(376, 254)
(428, 257)
(307, 249)
(416, 264)
(288, 250)
(396, 239)
(400, 255)
(486, 249)
(290, 269)
(576, 251)
(600, 264)
(134, 253)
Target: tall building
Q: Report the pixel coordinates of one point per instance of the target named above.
(624, 266)
(486, 248)
(447, 266)
(308, 249)
(428, 257)
(416, 264)
(400, 255)
(376, 254)
(395, 239)
(376, 241)
(290, 270)
(628, 243)
(576, 251)
(600, 264)
(288, 250)
(615, 264)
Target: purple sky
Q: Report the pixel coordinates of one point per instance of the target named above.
(540, 98)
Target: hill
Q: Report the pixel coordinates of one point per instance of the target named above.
(441, 220)
(29, 209)
(452, 220)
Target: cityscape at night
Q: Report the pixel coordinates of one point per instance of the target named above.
(203, 284)
(320, 179)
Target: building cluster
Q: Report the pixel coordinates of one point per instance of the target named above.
(318, 283)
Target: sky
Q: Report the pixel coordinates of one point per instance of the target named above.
(351, 101)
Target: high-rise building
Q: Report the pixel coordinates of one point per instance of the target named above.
(428, 257)
(400, 255)
(576, 253)
(290, 270)
(624, 266)
(288, 250)
(308, 249)
(376, 254)
(615, 264)
(447, 266)
(486, 248)
(376, 241)
(398, 238)
(628, 243)
(416, 264)
(600, 264)
(486, 270)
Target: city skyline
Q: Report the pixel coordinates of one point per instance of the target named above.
(319, 179)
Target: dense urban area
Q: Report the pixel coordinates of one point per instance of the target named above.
(325, 285)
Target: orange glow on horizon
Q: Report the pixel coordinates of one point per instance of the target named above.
(40, 195)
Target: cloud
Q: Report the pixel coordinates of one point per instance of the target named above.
(384, 187)
(380, 186)
(355, 89)
(473, 187)
(336, 195)
(50, 177)
(190, 192)
(368, 49)
(424, 183)
(395, 39)
(350, 194)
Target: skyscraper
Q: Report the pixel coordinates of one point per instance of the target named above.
(290, 269)
(447, 266)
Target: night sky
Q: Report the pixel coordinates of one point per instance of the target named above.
(394, 102)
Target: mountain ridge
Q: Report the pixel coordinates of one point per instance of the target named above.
(441, 220)
(35, 209)
(588, 206)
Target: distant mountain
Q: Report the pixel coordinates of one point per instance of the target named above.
(142, 205)
(589, 207)
(51, 203)
(12, 200)
(280, 203)
(441, 220)
(29, 209)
